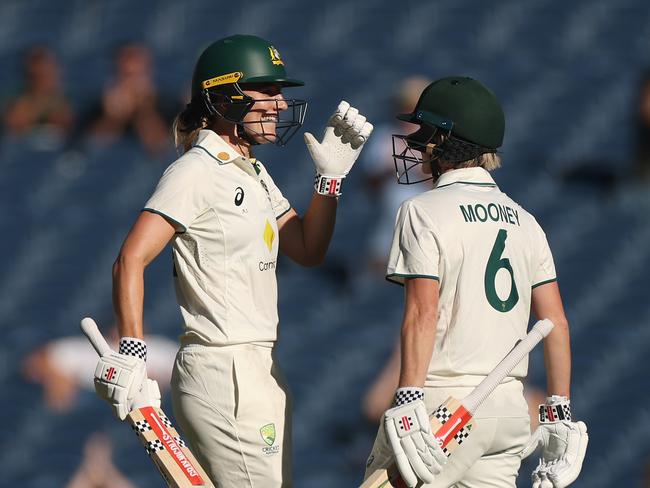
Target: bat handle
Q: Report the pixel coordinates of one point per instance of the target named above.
(541, 329)
(90, 329)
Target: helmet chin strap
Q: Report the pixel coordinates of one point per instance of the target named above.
(435, 167)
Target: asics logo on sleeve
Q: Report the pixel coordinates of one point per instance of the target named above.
(239, 196)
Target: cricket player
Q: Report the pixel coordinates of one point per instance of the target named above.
(473, 264)
(226, 221)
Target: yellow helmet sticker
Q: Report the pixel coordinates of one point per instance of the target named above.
(222, 79)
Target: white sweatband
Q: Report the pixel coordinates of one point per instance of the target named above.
(328, 185)
(556, 409)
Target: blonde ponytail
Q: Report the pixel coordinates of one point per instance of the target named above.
(186, 127)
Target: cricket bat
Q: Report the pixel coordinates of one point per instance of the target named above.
(163, 444)
(452, 422)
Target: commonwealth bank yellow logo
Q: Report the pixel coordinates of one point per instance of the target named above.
(269, 235)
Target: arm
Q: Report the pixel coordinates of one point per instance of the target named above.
(146, 239)
(547, 304)
(418, 330)
(306, 239)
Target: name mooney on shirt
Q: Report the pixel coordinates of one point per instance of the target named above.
(495, 212)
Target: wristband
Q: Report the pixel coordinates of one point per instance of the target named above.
(556, 409)
(407, 395)
(328, 185)
(130, 346)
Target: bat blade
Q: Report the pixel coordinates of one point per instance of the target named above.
(167, 450)
(452, 422)
(163, 444)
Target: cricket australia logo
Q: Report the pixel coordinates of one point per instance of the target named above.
(268, 435)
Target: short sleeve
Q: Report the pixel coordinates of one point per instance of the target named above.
(183, 193)
(544, 269)
(280, 204)
(415, 252)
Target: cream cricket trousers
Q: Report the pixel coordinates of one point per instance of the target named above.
(234, 407)
(486, 459)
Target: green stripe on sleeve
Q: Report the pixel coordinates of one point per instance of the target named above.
(171, 220)
(283, 213)
(393, 277)
(543, 283)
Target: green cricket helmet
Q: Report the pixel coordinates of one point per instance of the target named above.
(459, 119)
(226, 67)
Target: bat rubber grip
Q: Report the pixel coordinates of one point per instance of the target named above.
(90, 329)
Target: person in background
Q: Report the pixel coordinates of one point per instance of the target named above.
(41, 103)
(97, 469)
(130, 104)
(61, 367)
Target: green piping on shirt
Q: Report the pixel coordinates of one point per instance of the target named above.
(467, 183)
(167, 217)
(544, 282)
(400, 275)
(210, 154)
(283, 214)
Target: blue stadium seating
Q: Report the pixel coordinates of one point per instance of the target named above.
(567, 75)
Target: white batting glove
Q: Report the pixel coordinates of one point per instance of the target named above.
(121, 378)
(417, 453)
(563, 442)
(345, 134)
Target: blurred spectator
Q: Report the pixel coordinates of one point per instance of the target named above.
(41, 104)
(64, 365)
(97, 469)
(130, 104)
(379, 169)
(642, 142)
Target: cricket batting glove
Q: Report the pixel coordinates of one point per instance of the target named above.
(121, 378)
(563, 442)
(417, 453)
(346, 133)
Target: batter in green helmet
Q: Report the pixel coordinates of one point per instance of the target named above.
(474, 265)
(226, 221)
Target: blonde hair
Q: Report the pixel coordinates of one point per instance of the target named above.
(186, 126)
(488, 161)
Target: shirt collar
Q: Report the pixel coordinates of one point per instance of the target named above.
(218, 149)
(468, 176)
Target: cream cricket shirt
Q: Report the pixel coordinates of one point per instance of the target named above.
(487, 254)
(224, 207)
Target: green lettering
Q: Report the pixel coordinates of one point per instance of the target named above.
(468, 214)
(494, 217)
(503, 215)
(481, 207)
(517, 217)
